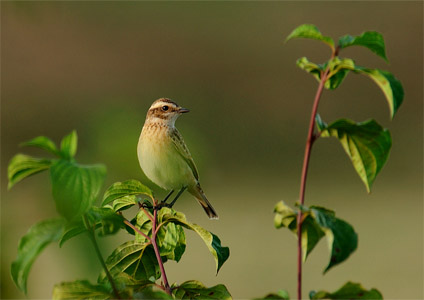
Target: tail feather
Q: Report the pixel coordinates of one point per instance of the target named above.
(203, 201)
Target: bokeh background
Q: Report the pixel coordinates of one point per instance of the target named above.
(97, 66)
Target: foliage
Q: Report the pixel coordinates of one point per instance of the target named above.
(172, 237)
(337, 68)
(195, 290)
(280, 295)
(80, 289)
(135, 269)
(348, 291)
(31, 245)
(132, 270)
(367, 144)
(317, 223)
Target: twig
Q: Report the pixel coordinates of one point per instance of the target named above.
(158, 257)
(312, 136)
(128, 223)
(145, 211)
(92, 235)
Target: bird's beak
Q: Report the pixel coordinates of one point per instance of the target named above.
(183, 110)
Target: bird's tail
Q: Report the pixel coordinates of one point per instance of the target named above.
(197, 192)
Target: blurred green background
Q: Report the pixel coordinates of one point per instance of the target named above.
(97, 67)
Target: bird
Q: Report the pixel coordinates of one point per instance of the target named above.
(164, 156)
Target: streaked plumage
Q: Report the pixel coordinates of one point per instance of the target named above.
(163, 155)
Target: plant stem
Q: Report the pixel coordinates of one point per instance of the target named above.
(158, 257)
(146, 212)
(309, 142)
(92, 235)
(128, 223)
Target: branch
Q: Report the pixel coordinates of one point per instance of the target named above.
(92, 235)
(128, 223)
(145, 211)
(158, 257)
(312, 137)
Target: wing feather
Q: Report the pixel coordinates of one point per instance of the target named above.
(182, 150)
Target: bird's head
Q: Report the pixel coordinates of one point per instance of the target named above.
(165, 111)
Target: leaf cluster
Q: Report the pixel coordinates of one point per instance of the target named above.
(318, 222)
(132, 269)
(350, 290)
(366, 143)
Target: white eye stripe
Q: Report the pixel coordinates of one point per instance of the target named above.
(163, 103)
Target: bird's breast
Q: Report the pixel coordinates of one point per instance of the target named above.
(160, 160)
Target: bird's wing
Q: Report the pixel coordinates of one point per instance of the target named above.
(182, 150)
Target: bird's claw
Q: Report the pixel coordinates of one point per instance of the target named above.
(161, 205)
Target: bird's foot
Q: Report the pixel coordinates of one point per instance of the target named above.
(162, 204)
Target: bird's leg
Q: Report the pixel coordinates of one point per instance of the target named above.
(167, 196)
(176, 197)
(163, 202)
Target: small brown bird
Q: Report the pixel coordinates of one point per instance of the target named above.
(165, 158)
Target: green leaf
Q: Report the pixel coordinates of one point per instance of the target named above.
(71, 230)
(194, 289)
(310, 31)
(317, 222)
(136, 259)
(367, 144)
(341, 236)
(31, 245)
(75, 186)
(144, 224)
(391, 87)
(213, 243)
(150, 293)
(311, 234)
(130, 288)
(124, 203)
(68, 146)
(337, 70)
(284, 216)
(310, 67)
(106, 219)
(334, 81)
(311, 231)
(81, 289)
(369, 39)
(172, 241)
(122, 189)
(43, 143)
(170, 237)
(350, 290)
(22, 166)
(281, 294)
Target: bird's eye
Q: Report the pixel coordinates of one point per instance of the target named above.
(165, 108)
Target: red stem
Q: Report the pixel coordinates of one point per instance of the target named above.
(152, 240)
(137, 230)
(146, 212)
(309, 142)
(158, 257)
